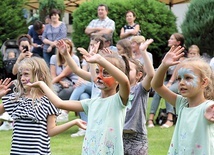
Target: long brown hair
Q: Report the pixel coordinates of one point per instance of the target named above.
(60, 59)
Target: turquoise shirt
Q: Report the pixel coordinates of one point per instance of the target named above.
(106, 118)
(193, 134)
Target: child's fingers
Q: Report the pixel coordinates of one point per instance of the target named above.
(172, 49)
(82, 51)
(6, 81)
(179, 50)
(149, 41)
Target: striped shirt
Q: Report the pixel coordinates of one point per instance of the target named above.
(30, 124)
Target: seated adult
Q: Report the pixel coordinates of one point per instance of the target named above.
(63, 77)
(25, 46)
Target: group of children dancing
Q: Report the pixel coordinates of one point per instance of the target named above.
(117, 118)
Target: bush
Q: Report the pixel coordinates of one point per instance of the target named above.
(12, 21)
(198, 25)
(156, 21)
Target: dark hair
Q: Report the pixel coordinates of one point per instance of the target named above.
(106, 7)
(107, 37)
(131, 12)
(179, 37)
(54, 12)
(24, 37)
(37, 25)
(101, 40)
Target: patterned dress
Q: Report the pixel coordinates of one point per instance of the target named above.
(30, 124)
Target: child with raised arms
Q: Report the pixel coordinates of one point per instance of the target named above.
(194, 130)
(135, 132)
(33, 114)
(106, 114)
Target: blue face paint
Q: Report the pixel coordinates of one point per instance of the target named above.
(188, 76)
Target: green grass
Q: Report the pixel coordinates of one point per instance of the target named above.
(63, 144)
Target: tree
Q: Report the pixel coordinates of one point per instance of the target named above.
(155, 19)
(198, 24)
(12, 21)
(45, 6)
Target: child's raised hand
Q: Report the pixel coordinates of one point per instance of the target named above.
(106, 51)
(209, 113)
(82, 50)
(80, 123)
(144, 46)
(172, 57)
(4, 86)
(94, 49)
(89, 57)
(62, 47)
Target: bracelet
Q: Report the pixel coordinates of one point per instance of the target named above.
(170, 81)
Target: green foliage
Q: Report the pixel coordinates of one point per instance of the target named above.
(198, 25)
(45, 6)
(12, 21)
(156, 21)
(1, 61)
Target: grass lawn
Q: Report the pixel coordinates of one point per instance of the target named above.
(63, 144)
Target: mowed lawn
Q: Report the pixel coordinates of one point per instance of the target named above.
(63, 144)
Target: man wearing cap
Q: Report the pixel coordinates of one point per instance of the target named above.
(102, 25)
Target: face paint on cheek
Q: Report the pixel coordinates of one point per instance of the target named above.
(185, 71)
(109, 81)
(28, 81)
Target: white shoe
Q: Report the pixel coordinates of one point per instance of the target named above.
(6, 126)
(6, 117)
(63, 117)
(81, 132)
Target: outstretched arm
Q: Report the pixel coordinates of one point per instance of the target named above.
(54, 129)
(148, 67)
(170, 59)
(55, 100)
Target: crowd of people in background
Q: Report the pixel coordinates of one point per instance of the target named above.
(109, 90)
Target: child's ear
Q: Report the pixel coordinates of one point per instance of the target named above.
(139, 76)
(205, 82)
